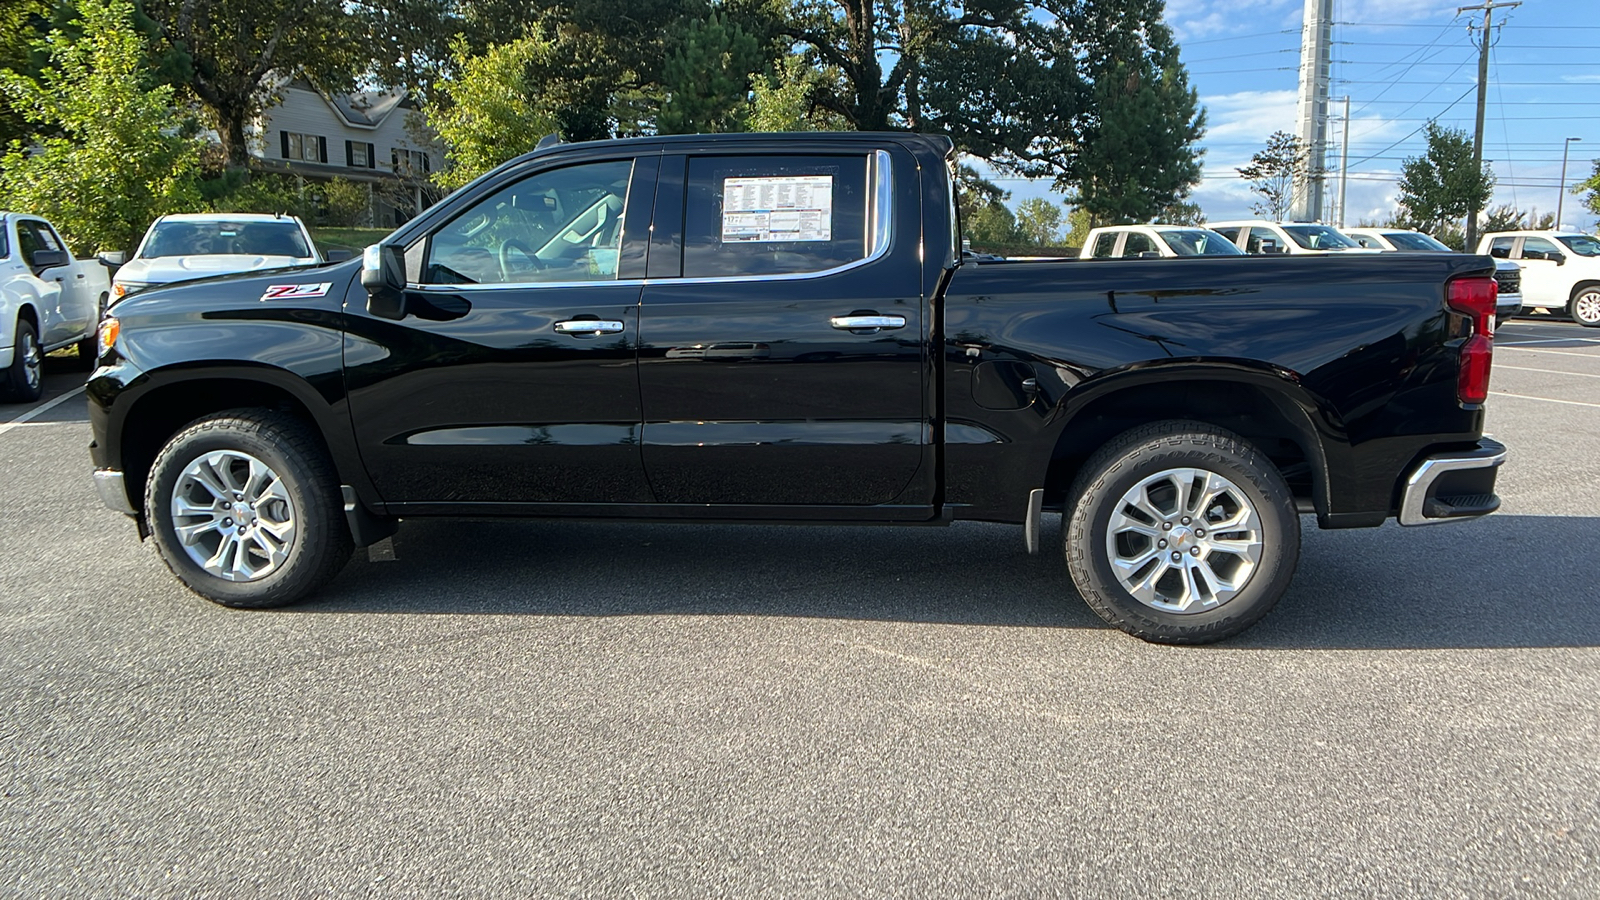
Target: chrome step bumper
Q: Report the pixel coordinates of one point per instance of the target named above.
(1450, 487)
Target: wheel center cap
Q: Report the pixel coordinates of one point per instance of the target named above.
(1181, 537)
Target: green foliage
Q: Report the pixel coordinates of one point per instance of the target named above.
(233, 54)
(112, 161)
(1589, 189)
(263, 193)
(1081, 224)
(489, 113)
(1138, 155)
(1272, 173)
(1039, 221)
(345, 203)
(707, 78)
(1442, 185)
(1508, 218)
(1183, 213)
(785, 98)
(991, 225)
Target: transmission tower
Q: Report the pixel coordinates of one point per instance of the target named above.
(1488, 7)
(1316, 65)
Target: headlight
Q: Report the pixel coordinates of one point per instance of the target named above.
(109, 329)
(124, 288)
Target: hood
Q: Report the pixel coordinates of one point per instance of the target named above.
(167, 269)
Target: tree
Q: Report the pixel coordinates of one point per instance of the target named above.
(113, 160)
(1039, 221)
(237, 52)
(488, 112)
(1273, 172)
(1442, 185)
(1183, 213)
(1508, 218)
(1589, 189)
(707, 77)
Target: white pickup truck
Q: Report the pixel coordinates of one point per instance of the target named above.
(48, 299)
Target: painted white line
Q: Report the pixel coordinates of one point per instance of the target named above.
(1545, 399)
(1590, 341)
(41, 410)
(86, 421)
(1551, 352)
(1549, 371)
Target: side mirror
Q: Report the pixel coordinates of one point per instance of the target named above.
(47, 259)
(114, 258)
(339, 255)
(1560, 258)
(383, 274)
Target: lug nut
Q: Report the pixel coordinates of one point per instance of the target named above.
(1176, 556)
(1162, 543)
(1194, 551)
(1166, 526)
(1185, 520)
(1199, 532)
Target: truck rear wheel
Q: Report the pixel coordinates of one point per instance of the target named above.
(1181, 533)
(245, 509)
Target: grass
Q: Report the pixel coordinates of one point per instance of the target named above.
(352, 239)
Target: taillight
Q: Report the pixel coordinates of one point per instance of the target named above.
(1475, 298)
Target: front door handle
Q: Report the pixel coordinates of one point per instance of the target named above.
(589, 327)
(866, 322)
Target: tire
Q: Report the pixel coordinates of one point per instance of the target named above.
(24, 381)
(1585, 305)
(1238, 574)
(298, 540)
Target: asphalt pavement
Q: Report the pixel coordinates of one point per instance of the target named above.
(594, 710)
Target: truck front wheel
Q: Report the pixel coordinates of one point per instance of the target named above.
(1585, 305)
(245, 509)
(24, 381)
(1181, 533)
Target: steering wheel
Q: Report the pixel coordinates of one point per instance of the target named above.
(506, 266)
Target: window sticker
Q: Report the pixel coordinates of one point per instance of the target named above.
(780, 208)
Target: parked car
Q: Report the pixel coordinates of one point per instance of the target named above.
(1293, 239)
(1507, 274)
(1560, 270)
(784, 330)
(1155, 242)
(200, 245)
(48, 299)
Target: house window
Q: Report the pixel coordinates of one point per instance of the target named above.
(408, 163)
(358, 155)
(307, 147)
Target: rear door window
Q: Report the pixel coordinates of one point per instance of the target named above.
(1537, 248)
(1105, 246)
(775, 215)
(1500, 247)
(1136, 244)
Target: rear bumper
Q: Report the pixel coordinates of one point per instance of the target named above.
(1451, 486)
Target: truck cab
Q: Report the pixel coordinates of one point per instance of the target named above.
(1287, 238)
(1155, 242)
(1560, 270)
(48, 299)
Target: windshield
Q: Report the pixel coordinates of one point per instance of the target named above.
(209, 238)
(1200, 242)
(1319, 237)
(1411, 240)
(1582, 244)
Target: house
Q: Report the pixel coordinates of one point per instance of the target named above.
(373, 138)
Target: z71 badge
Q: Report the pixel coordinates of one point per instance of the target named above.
(296, 291)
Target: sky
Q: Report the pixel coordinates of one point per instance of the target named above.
(1401, 62)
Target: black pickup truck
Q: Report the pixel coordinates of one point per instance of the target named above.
(780, 328)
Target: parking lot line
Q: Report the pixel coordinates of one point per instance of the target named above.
(41, 410)
(1553, 352)
(1545, 399)
(1549, 371)
(1591, 341)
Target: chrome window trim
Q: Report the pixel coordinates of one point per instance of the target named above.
(880, 233)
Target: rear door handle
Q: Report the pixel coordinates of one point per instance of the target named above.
(874, 322)
(589, 327)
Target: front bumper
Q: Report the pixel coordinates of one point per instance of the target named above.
(113, 490)
(1451, 486)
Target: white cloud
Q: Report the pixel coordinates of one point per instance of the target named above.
(1248, 115)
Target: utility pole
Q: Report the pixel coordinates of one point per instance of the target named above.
(1488, 7)
(1344, 159)
(1316, 64)
(1561, 192)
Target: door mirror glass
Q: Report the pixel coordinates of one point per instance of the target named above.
(383, 274)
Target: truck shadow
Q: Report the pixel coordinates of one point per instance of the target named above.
(1505, 581)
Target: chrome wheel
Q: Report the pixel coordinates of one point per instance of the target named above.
(233, 516)
(32, 360)
(1586, 307)
(1184, 540)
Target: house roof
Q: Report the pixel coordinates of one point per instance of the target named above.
(362, 109)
